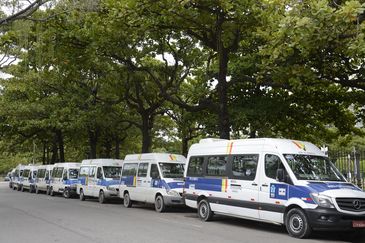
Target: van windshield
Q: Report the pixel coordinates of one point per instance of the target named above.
(73, 173)
(314, 168)
(172, 170)
(113, 172)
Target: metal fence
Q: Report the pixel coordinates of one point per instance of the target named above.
(351, 164)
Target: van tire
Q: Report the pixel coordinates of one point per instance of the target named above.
(30, 189)
(47, 191)
(82, 195)
(160, 206)
(36, 190)
(204, 211)
(66, 193)
(51, 192)
(296, 223)
(127, 202)
(101, 197)
(22, 189)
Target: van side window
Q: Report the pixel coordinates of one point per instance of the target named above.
(142, 169)
(92, 171)
(99, 173)
(272, 163)
(217, 166)
(195, 166)
(130, 169)
(84, 171)
(245, 166)
(154, 173)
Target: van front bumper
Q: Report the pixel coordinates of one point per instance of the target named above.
(331, 219)
(173, 200)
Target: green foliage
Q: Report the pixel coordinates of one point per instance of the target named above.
(93, 80)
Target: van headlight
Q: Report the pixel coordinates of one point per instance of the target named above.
(173, 193)
(322, 201)
(109, 188)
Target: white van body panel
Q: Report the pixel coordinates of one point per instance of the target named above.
(142, 187)
(42, 182)
(91, 185)
(250, 193)
(59, 183)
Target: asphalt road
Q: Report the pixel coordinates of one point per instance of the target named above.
(29, 218)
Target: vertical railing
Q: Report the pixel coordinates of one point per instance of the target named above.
(351, 164)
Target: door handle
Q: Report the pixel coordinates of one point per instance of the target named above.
(265, 185)
(238, 185)
(254, 184)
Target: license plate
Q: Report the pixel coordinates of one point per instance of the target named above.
(358, 224)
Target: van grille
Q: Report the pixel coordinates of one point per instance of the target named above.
(351, 204)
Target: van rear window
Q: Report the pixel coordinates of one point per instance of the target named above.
(130, 169)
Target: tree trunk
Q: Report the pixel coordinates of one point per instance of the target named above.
(223, 115)
(93, 140)
(54, 157)
(108, 148)
(61, 146)
(184, 146)
(44, 153)
(117, 147)
(146, 129)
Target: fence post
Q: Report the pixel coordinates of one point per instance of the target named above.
(357, 168)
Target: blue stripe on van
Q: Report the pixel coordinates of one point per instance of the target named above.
(208, 184)
(70, 181)
(107, 182)
(325, 186)
(127, 180)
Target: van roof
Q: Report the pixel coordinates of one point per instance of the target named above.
(155, 157)
(253, 145)
(47, 167)
(103, 162)
(68, 165)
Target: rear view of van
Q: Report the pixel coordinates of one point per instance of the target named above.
(43, 178)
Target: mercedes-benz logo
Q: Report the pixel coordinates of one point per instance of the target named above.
(356, 204)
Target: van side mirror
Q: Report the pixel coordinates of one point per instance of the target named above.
(280, 175)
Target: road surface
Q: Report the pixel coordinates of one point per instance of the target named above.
(29, 218)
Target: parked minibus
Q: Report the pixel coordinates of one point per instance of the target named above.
(28, 178)
(43, 178)
(97, 177)
(64, 179)
(280, 181)
(16, 181)
(155, 178)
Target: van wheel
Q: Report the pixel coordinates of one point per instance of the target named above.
(51, 192)
(204, 211)
(22, 189)
(47, 191)
(36, 190)
(30, 189)
(14, 188)
(296, 224)
(82, 195)
(66, 193)
(160, 204)
(127, 200)
(101, 197)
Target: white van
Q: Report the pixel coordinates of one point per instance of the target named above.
(155, 178)
(43, 178)
(281, 181)
(28, 178)
(64, 179)
(17, 178)
(96, 178)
